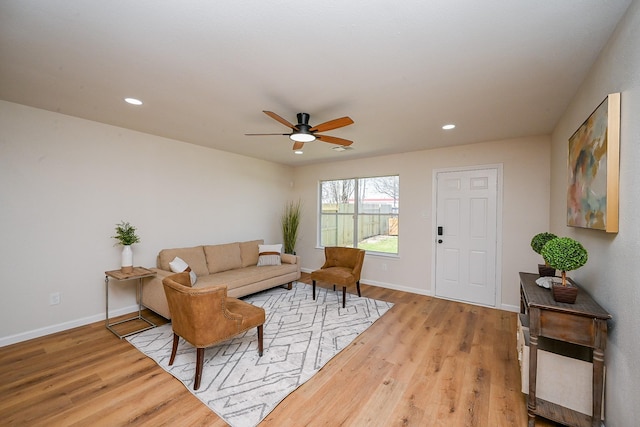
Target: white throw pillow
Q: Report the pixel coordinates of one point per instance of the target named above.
(178, 266)
(269, 255)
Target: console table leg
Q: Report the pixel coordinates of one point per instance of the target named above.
(598, 384)
(533, 366)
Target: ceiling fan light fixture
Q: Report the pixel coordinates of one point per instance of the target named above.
(302, 137)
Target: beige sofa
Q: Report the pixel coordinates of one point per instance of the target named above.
(231, 264)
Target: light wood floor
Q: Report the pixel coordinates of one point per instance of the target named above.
(427, 362)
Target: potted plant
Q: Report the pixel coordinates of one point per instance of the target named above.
(126, 236)
(290, 222)
(537, 243)
(564, 254)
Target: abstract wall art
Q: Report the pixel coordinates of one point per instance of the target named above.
(594, 164)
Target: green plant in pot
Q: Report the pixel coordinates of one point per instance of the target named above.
(126, 236)
(290, 222)
(564, 254)
(537, 243)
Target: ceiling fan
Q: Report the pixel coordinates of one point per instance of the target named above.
(303, 132)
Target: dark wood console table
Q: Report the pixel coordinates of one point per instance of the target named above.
(583, 323)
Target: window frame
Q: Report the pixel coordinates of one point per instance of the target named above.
(356, 201)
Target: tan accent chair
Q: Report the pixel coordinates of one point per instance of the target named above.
(342, 266)
(206, 316)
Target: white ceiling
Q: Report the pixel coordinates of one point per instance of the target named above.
(206, 69)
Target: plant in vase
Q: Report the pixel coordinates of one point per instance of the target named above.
(564, 254)
(126, 236)
(290, 222)
(537, 243)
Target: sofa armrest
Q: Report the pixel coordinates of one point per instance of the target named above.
(153, 296)
(290, 259)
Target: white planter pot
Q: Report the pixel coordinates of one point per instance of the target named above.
(127, 259)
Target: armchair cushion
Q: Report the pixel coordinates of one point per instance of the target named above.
(342, 276)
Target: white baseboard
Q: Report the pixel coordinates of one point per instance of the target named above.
(36, 333)
(509, 307)
(387, 285)
(429, 293)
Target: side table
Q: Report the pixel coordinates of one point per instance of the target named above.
(138, 273)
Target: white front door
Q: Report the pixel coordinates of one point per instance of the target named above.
(466, 235)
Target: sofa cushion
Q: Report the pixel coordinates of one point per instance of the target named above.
(269, 255)
(178, 265)
(223, 257)
(249, 252)
(193, 256)
(245, 276)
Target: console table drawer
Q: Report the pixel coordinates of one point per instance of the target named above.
(567, 327)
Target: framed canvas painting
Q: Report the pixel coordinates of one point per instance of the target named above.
(594, 164)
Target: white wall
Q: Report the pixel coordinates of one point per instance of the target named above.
(611, 275)
(66, 182)
(525, 196)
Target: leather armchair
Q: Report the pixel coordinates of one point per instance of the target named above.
(342, 266)
(206, 316)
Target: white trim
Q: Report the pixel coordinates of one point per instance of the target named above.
(509, 307)
(425, 292)
(356, 206)
(499, 202)
(36, 333)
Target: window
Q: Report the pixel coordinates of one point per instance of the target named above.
(368, 221)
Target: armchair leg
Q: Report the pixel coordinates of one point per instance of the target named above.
(314, 290)
(260, 339)
(199, 363)
(174, 350)
(358, 287)
(290, 286)
(344, 295)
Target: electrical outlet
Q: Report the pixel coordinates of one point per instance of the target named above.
(54, 298)
(384, 267)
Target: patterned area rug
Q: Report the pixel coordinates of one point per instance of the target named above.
(300, 336)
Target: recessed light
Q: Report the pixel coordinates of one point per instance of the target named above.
(298, 152)
(133, 101)
(341, 148)
(448, 127)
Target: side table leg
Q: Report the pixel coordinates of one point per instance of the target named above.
(106, 287)
(139, 297)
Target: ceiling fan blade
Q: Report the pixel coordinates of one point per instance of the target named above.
(262, 134)
(277, 118)
(332, 124)
(334, 140)
(298, 145)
